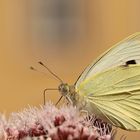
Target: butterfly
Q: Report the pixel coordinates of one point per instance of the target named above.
(110, 86)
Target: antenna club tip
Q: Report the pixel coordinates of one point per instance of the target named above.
(40, 62)
(32, 68)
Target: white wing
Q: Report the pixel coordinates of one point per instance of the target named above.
(119, 54)
(114, 96)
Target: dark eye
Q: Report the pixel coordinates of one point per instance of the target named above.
(64, 89)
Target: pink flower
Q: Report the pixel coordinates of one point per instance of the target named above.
(51, 123)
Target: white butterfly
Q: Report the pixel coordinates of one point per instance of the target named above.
(110, 86)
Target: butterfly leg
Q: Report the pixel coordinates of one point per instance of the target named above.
(44, 93)
(69, 100)
(59, 100)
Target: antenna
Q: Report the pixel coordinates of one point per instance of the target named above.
(50, 71)
(34, 69)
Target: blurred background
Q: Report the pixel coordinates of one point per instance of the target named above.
(66, 35)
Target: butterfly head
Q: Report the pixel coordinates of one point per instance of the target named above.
(64, 89)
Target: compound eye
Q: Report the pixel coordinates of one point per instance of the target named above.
(65, 89)
(60, 87)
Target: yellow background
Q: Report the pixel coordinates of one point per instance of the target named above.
(108, 22)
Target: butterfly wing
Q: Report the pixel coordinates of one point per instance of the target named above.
(119, 54)
(114, 95)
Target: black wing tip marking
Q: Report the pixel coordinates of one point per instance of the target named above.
(130, 62)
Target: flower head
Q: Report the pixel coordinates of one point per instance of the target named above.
(51, 123)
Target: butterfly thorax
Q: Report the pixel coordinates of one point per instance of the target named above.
(68, 91)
